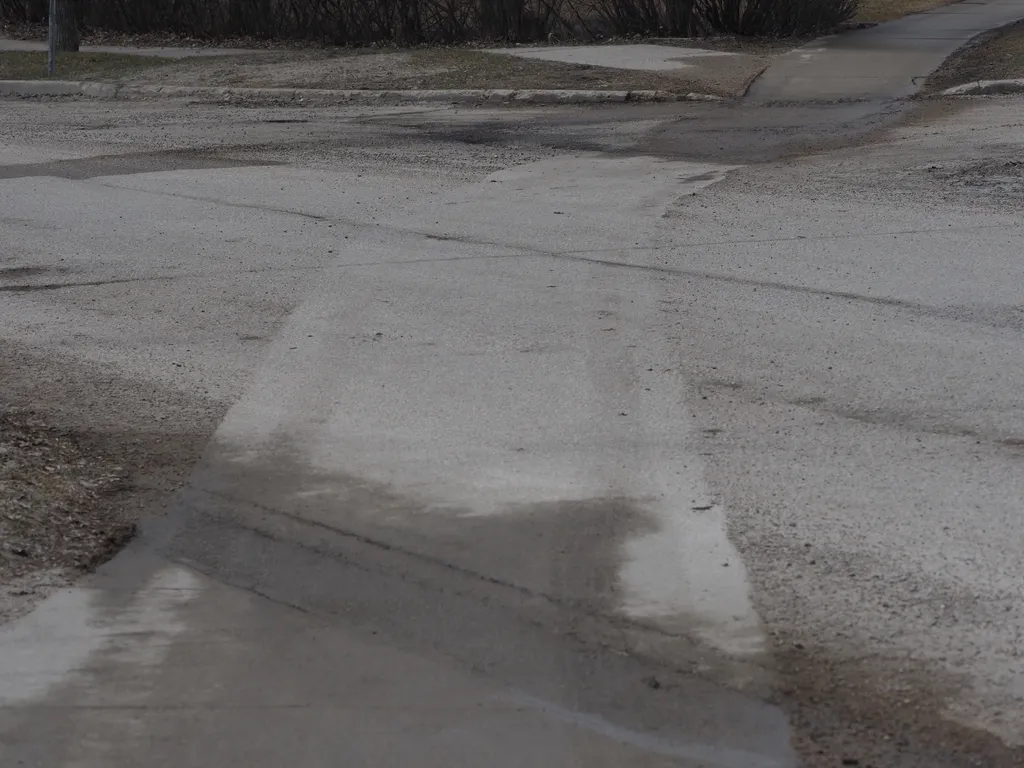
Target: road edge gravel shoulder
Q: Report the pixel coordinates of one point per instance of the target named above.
(324, 97)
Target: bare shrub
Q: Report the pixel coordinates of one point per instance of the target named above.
(667, 18)
(775, 18)
(411, 22)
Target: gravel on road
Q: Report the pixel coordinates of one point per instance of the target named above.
(827, 302)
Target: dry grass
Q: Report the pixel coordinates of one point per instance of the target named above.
(886, 10)
(444, 68)
(31, 65)
(998, 55)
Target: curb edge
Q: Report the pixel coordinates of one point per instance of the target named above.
(323, 97)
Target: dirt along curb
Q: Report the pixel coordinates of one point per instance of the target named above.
(986, 88)
(990, 64)
(61, 508)
(324, 97)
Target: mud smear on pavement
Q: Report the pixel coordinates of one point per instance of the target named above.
(740, 135)
(721, 133)
(59, 503)
(125, 165)
(15, 273)
(34, 287)
(878, 713)
(505, 133)
(990, 180)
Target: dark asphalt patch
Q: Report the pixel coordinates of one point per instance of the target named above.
(125, 165)
(18, 272)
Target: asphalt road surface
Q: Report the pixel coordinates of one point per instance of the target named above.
(664, 436)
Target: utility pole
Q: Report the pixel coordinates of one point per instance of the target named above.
(52, 63)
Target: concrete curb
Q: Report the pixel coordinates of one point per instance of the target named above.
(985, 88)
(318, 97)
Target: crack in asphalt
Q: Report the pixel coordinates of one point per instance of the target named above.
(586, 256)
(32, 287)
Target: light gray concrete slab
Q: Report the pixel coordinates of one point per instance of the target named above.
(888, 61)
(653, 58)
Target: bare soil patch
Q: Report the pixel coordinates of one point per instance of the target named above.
(58, 508)
(85, 454)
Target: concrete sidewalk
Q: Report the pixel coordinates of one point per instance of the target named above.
(889, 61)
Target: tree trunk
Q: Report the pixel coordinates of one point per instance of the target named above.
(67, 25)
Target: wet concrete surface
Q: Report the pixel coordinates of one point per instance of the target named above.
(497, 379)
(702, 133)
